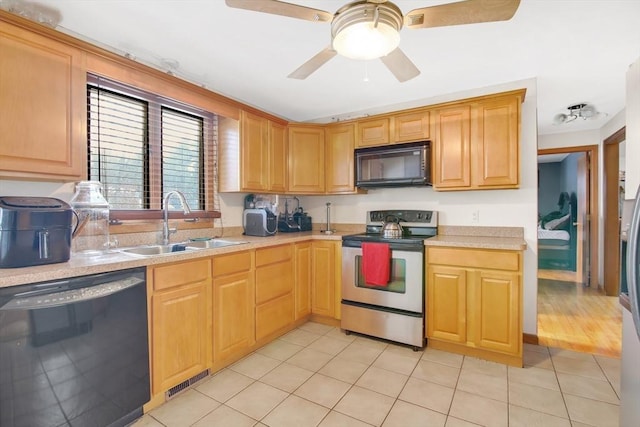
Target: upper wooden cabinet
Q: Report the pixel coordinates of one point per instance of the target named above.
(410, 127)
(42, 107)
(372, 132)
(306, 148)
(339, 174)
(477, 144)
(252, 155)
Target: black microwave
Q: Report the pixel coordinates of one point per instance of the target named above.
(398, 165)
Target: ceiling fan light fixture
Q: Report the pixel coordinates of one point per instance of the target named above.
(365, 30)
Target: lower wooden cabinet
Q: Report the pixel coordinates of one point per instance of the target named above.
(180, 320)
(325, 278)
(474, 302)
(302, 255)
(233, 305)
(274, 289)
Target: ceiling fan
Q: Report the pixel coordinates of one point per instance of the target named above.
(368, 29)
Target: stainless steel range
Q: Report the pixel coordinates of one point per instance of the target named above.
(392, 308)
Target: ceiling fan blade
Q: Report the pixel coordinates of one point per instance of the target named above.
(275, 7)
(464, 12)
(309, 67)
(400, 65)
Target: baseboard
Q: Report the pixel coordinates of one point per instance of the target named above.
(530, 339)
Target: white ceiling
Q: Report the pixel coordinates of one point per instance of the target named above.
(579, 51)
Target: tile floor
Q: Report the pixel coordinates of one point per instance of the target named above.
(318, 376)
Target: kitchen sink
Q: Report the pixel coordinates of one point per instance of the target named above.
(151, 250)
(211, 244)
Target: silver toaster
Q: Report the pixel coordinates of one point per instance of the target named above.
(259, 222)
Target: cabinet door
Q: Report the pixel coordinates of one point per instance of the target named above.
(179, 335)
(494, 311)
(411, 126)
(277, 158)
(273, 315)
(254, 153)
(447, 303)
(233, 314)
(42, 107)
(323, 278)
(339, 160)
(302, 279)
(496, 130)
(306, 159)
(451, 148)
(372, 132)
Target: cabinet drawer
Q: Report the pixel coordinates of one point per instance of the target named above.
(272, 255)
(273, 280)
(168, 276)
(274, 315)
(231, 263)
(477, 258)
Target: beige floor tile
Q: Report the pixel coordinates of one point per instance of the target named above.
(337, 333)
(255, 365)
(533, 376)
(577, 424)
(427, 394)
(329, 345)
(457, 422)
(479, 410)
(257, 400)
(360, 353)
(371, 342)
(316, 328)
(536, 348)
(537, 359)
(365, 405)
(583, 367)
(280, 350)
(310, 359)
(611, 368)
(224, 385)
(336, 419)
(344, 370)
(569, 354)
(287, 377)
(296, 412)
(323, 390)
(592, 412)
(404, 350)
(224, 416)
(482, 384)
(146, 421)
(382, 381)
(587, 387)
(484, 367)
(436, 373)
(392, 361)
(523, 417)
(185, 409)
(438, 356)
(405, 414)
(537, 398)
(300, 337)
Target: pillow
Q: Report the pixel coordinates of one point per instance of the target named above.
(557, 223)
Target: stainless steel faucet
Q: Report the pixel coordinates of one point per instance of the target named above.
(165, 207)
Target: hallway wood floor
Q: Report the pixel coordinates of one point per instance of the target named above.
(573, 317)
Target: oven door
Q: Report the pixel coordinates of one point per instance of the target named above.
(405, 291)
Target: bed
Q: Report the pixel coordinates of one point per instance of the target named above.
(557, 235)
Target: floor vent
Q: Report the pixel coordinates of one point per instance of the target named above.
(186, 384)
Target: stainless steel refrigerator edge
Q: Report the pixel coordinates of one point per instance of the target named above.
(630, 369)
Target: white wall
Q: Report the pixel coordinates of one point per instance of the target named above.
(633, 130)
(515, 208)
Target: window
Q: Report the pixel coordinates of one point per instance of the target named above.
(141, 146)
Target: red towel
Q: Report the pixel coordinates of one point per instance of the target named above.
(376, 263)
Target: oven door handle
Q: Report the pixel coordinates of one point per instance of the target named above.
(56, 299)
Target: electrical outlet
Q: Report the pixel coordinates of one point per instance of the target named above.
(475, 216)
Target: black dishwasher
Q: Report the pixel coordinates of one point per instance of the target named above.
(74, 352)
